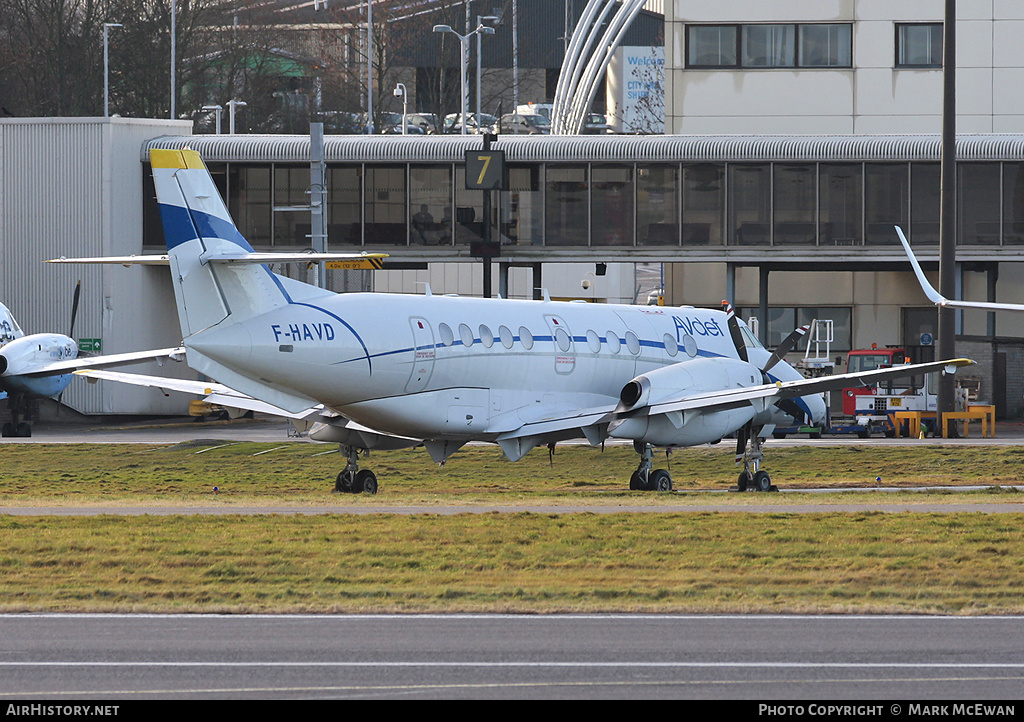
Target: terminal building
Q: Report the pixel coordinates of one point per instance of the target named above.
(832, 140)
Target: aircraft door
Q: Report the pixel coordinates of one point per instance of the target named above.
(422, 355)
(563, 344)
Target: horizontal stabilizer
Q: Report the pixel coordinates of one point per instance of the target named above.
(212, 392)
(373, 260)
(98, 362)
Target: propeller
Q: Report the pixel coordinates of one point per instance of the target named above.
(734, 330)
(71, 335)
(74, 308)
(788, 344)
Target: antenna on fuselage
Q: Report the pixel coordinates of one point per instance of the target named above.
(426, 290)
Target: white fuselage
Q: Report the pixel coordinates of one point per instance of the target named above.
(441, 367)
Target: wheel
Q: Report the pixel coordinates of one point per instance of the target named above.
(660, 480)
(778, 435)
(23, 430)
(816, 434)
(636, 483)
(366, 482)
(7, 430)
(863, 432)
(343, 483)
(762, 482)
(742, 481)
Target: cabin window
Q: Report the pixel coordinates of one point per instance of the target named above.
(506, 336)
(613, 341)
(632, 343)
(466, 334)
(447, 337)
(671, 345)
(594, 341)
(562, 339)
(525, 337)
(486, 337)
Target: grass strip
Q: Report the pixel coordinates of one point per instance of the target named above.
(523, 562)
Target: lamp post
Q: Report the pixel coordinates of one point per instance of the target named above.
(400, 92)
(369, 67)
(174, 51)
(217, 109)
(232, 104)
(479, 22)
(464, 42)
(106, 66)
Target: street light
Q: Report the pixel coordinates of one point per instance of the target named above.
(480, 21)
(218, 110)
(106, 66)
(464, 41)
(400, 92)
(232, 104)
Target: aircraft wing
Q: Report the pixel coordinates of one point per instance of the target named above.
(97, 362)
(937, 298)
(586, 422)
(781, 390)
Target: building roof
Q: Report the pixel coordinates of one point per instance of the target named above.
(596, 148)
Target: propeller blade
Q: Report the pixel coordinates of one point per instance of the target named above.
(787, 345)
(790, 407)
(74, 308)
(741, 441)
(734, 330)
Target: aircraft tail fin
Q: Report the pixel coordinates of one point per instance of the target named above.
(198, 229)
(9, 328)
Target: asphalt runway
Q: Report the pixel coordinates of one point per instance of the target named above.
(92, 658)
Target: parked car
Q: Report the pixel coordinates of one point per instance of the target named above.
(426, 121)
(452, 123)
(596, 123)
(528, 124)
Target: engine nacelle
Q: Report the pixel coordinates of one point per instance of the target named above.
(679, 380)
(24, 355)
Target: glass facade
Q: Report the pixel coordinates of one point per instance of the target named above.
(630, 204)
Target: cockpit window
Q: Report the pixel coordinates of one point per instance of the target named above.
(749, 339)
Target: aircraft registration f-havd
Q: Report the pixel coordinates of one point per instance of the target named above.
(39, 365)
(387, 371)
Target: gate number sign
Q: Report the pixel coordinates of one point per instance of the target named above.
(485, 170)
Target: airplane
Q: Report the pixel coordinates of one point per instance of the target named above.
(40, 365)
(400, 370)
(937, 298)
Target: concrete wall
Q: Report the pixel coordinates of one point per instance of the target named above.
(873, 96)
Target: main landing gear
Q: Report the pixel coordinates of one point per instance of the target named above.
(748, 450)
(23, 410)
(351, 480)
(646, 477)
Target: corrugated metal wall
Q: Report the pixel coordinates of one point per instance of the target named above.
(72, 187)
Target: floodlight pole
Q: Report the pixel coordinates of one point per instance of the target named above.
(464, 60)
(106, 66)
(946, 398)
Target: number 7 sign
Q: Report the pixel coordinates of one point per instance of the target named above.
(485, 170)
